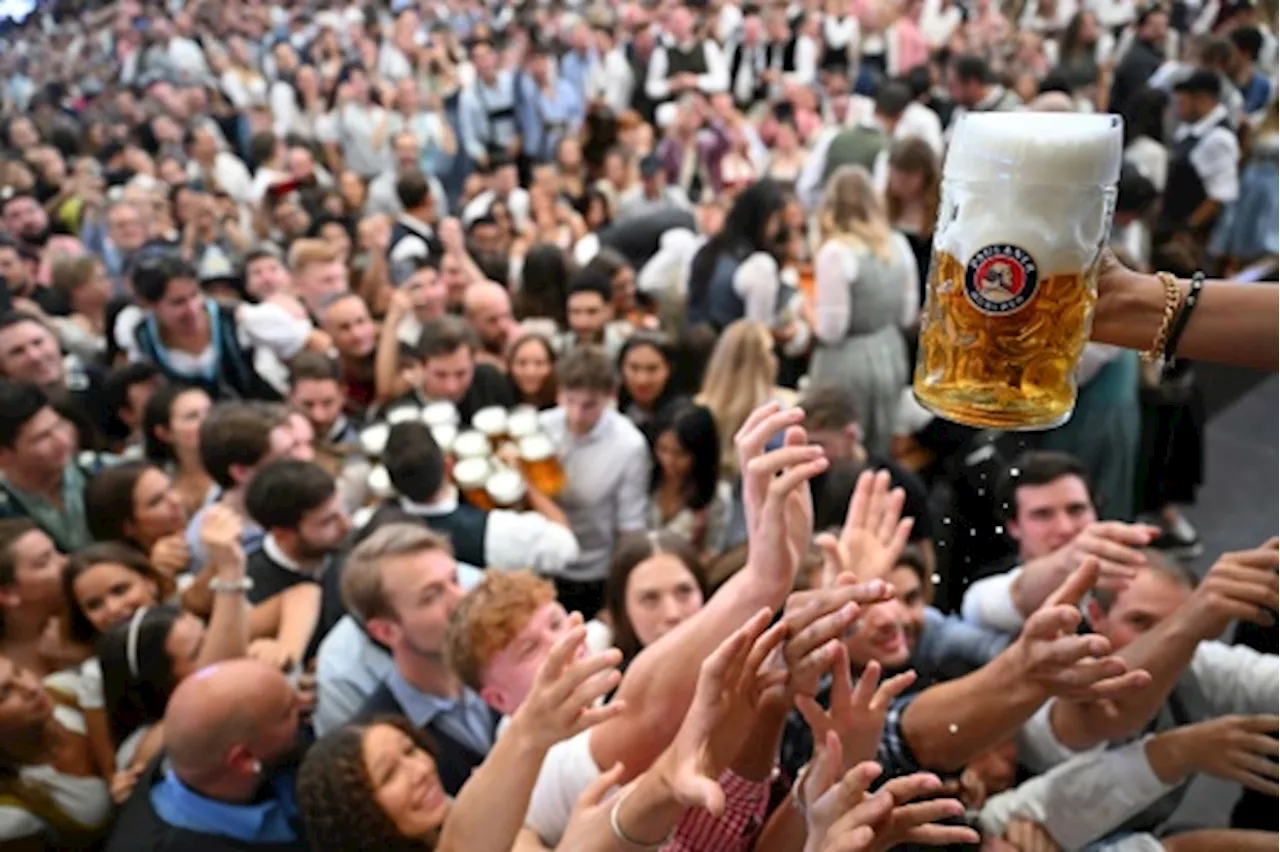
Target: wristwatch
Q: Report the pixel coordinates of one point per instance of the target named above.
(239, 586)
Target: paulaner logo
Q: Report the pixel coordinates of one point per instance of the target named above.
(1000, 279)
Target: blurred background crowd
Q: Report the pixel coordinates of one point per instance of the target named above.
(368, 372)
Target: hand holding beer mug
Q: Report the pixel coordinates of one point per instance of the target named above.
(1027, 201)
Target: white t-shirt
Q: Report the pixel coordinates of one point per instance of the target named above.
(567, 770)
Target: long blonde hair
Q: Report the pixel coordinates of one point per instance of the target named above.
(740, 377)
(853, 211)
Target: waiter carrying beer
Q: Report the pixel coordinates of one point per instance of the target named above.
(1203, 175)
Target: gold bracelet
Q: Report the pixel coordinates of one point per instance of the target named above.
(1172, 298)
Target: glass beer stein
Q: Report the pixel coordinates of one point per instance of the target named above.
(1026, 208)
(541, 466)
(471, 476)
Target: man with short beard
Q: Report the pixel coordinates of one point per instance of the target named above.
(345, 318)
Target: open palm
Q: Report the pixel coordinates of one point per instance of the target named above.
(873, 535)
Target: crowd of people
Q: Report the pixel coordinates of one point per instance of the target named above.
(460, 425)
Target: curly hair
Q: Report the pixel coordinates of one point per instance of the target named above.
(490, 617)
(336, 795)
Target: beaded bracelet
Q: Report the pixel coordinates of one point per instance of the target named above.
(1193, 299)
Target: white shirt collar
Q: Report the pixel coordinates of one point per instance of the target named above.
(276, 554)
(1202, 126)
(443, 506)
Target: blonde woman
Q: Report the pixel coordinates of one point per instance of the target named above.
(741, 376)
(865, 293)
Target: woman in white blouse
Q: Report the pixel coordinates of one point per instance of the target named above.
(864, 275)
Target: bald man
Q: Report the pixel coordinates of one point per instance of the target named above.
(228, 731)
(487, 307)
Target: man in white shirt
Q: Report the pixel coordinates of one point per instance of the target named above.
(1052, 518)
(607, 463)
(681, 63)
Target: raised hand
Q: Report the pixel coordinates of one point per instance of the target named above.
(750, 441)
(562, 701)
(171, 555)
(784, 519)
(221, 530)
(857, 713)
(1114, 545)
(816, 623)
(1240, 585)
(873, 535)
(731, 687)
(843, 817)
(1241, 749)
(1065, 664)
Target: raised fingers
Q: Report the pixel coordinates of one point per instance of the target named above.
(891, 689)
(1077, 584)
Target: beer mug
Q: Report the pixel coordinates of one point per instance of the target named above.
(403, 413)
(491, 422)
(471, 445)
(444, 434)
(440, 414)
(541, 467)
(1027, 201)
(379, 482)
(373, 439)
(471, 476)
(505, 487)
(522, 422)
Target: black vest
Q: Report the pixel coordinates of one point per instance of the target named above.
(721, 305)
(686, 61)
(758, 89)
(270, 579)
(139, 829)
(455, 761)
(400, 230)
(465, 526)
(1185, 189)
(788, 51)
(234, 378)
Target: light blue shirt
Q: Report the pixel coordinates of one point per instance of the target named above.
(545, 120)
(466, 719)
(350, 666)
(575, 68)
(478, 119)
(271, 821)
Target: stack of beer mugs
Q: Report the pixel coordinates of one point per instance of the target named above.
(503, 453)
(1026, 208)
(441, 417)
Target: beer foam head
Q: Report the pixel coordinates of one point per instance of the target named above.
(1043, 183)
(1054, 148)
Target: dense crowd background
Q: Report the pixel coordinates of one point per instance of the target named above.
(418, 422)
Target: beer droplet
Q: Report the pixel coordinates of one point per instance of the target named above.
(946, 520)
(972, 532)
(999, 530)
(936, 579)
(982, 492)
(1013, 471)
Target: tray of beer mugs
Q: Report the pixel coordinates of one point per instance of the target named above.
(440, 417)
(487, 483)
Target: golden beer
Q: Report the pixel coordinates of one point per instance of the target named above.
(541, 467)
(471, 476)
(1026, 208)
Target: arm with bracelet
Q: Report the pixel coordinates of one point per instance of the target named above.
(1225, 322)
